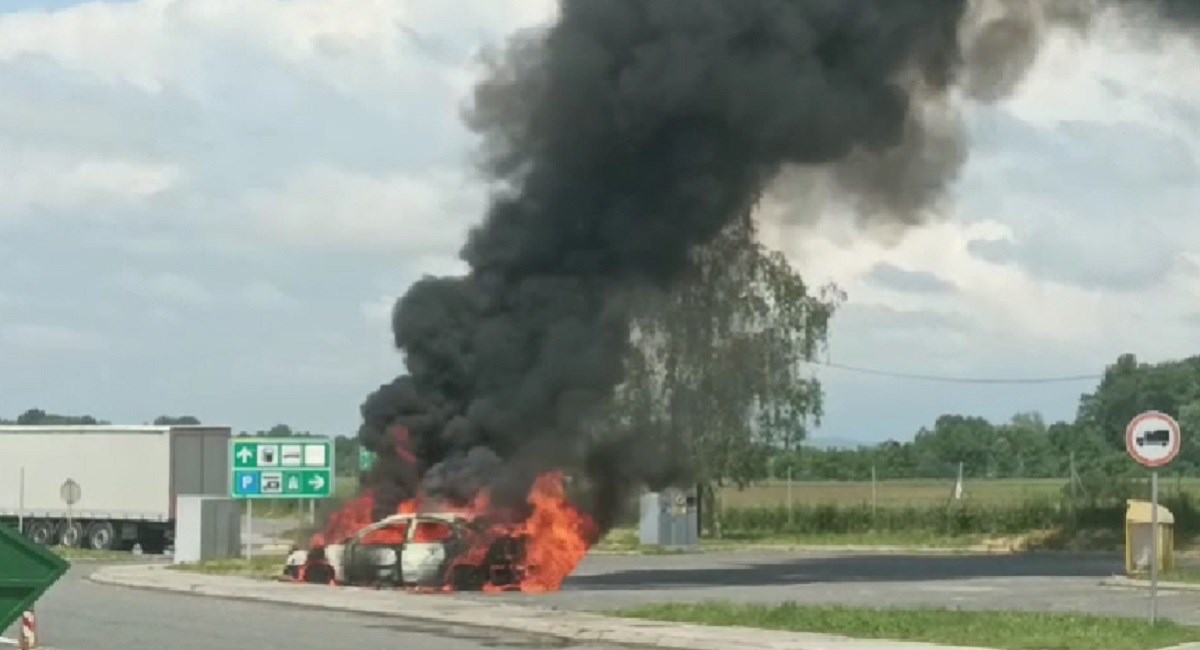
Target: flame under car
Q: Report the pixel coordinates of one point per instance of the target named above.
(430, 550)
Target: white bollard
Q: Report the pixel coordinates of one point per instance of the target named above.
(28, 640)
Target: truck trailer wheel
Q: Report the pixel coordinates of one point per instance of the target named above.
(101, 536)
(153, 541)
(41, 532)
(70, 534)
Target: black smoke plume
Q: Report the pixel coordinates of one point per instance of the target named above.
(619, 138)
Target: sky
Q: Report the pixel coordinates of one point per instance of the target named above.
(208, 207)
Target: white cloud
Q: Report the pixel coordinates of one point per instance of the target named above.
(41, 337)
(79, 183)
(361, 48)
(328, 208)
(166, 286)
(1116, 74)
(320, 119)
(263, 294)
(996, 299)
(378, 312)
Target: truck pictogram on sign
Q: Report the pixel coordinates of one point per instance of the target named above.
(1160, 437)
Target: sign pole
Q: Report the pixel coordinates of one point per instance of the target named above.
(249, 528)
(21, 503)
(1153, 439)
(789, 491)
(1154, 542)
(873, 494)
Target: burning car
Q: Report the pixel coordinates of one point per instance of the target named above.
(469, 546)
(443, 550)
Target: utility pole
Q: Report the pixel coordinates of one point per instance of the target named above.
(873, 493)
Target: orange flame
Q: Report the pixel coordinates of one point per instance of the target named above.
(559, 535)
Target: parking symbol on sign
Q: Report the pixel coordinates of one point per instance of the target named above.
(272, 483)
(247, 482)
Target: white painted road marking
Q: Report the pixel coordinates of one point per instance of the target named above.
(13, 642)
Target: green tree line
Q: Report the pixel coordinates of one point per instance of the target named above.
(1026, 446)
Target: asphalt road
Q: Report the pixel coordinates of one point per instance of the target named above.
(1047, 582)
(79, 615)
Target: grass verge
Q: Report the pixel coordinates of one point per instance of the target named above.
(881, 539)
(263, 567)
(88, 555)
(1002, 630)
(1187, 575)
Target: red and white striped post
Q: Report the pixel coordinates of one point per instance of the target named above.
(28, 640)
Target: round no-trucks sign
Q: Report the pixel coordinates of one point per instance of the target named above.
(1153, 439)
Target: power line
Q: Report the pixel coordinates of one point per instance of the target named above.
(959, 380)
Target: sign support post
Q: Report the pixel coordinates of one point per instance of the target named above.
(249, 528)
(1154, 537)
(1153, 439)
(293, 469)
(21, 504)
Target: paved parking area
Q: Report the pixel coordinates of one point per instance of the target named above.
(1036, 582)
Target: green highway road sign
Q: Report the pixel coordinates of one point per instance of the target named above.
(26, 571)
(281, 468)
(366, 458)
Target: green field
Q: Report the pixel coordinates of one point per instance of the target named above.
(917, 492)
(885, 493)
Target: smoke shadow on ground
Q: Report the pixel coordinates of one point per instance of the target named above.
(842, 569)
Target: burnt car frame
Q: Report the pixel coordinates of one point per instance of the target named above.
(465, 558)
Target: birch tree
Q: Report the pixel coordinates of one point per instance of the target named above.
(719, 366)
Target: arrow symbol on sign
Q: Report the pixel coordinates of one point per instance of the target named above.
(316, 482)
(245, 454)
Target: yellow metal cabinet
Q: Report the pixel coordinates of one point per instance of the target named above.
(1139, 536)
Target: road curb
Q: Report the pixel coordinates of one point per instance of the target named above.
(524, 619)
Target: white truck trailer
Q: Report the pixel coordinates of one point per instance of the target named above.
(107, 487)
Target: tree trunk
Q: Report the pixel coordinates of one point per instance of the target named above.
(711, 508)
